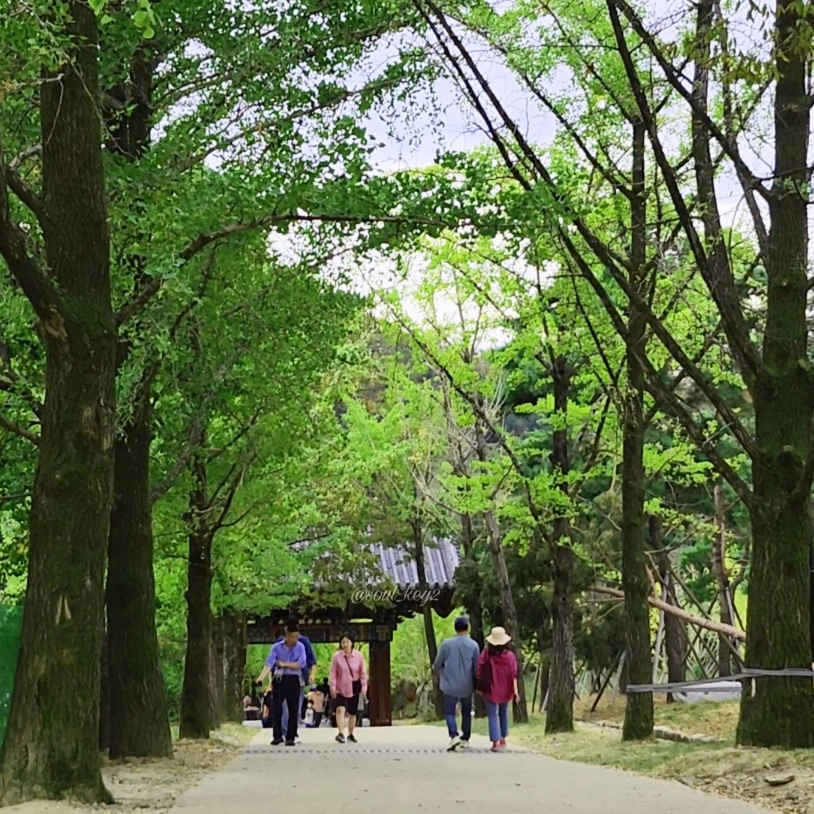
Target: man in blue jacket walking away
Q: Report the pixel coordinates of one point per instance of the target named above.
(457, 665)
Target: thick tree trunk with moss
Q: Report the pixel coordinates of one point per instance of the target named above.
(560, 704)
(639, 707)
(142, 725)
(781, 712)
(52, 737)
(196, 719)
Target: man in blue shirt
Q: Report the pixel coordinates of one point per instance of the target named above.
(457, 664)
(287, 660)
(309, 671)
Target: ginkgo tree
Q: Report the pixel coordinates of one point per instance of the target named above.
(610, 48)
(135, 99)
(468, 280)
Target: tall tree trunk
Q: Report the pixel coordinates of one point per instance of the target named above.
(722, 580)
(639, 708)
(426, 611)
(104, 698)
(811, 595)
(459, 459)
(507, 605)
(142, 724)
(52, 737)
(474, 609)
(545, 673)
(196, 721)
(781, 711)
(432, 648)
(234, 644)
(560, 705)
(217, 673)
(675, 631)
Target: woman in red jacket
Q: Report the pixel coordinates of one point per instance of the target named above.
(497, 681)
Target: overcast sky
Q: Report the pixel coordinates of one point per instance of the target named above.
(454, 125)
(416, 130)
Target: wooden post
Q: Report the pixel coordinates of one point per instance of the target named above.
(657, 647)
(379, 690)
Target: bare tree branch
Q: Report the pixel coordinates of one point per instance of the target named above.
(32, 279)
(675, 80)
(719, 279)
(26, 194)
(235, 484)
(18, 430)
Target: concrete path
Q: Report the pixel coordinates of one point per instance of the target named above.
(407, 770)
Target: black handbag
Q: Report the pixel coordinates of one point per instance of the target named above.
(485, 676)
(356, 683)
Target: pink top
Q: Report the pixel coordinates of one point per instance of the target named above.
(345, 669)
(504, 673)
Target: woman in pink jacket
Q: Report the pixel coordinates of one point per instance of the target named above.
(497, 681)
(348, 680)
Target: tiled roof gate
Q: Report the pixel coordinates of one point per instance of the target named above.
(440, 562)
(392, 566)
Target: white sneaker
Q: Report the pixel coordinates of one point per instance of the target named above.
(464, 744)
(454, 743)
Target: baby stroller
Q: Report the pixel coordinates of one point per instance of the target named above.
(267, 710)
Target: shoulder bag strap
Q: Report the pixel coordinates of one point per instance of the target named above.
(350, 669)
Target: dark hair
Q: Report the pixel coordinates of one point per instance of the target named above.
(292, 628)
(347, 636)
(292, 621)
(461, 624)
(497, 649)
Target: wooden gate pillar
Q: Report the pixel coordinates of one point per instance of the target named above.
(379, 686)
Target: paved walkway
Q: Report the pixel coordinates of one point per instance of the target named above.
(406, 770)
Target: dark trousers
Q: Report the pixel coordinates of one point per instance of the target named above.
(287, 691)
(450, 704)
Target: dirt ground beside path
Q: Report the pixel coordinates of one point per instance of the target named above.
(154, 785)
(720, 768)
(406, 770)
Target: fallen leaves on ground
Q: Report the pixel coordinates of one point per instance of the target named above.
(149, 784)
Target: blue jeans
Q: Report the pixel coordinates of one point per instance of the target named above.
(450, 703)
(498, 715)
(284, 715)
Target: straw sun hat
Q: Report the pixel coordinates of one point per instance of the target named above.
(498, 637)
